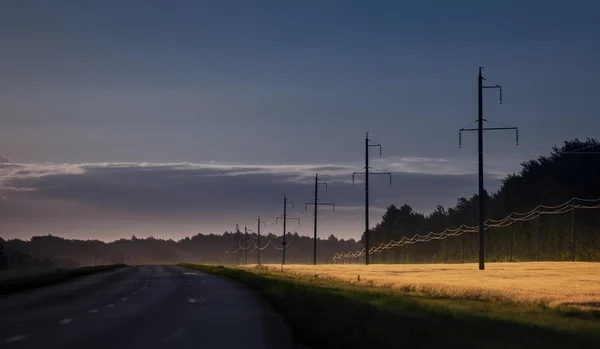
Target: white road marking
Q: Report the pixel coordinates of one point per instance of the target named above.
(133, 292)
(196, 300)
(175, 335)
(93, 311)
(66, 321)
(111, 305)
(15, 338)
(124, 298)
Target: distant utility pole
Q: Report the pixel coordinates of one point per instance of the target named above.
(480, 130)
(539, 228)
(316, 207)
(245, 245)
(237, 240)
(463, 247)
(258, 237)
(512, 242)
(368, 144)
(572, 234)
(446, 249)
(285, 218)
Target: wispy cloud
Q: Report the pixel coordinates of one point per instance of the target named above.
(297, 173)
(159, 197)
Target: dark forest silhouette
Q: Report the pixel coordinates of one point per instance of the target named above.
(569, 171)
(55, 251)
(572, 170)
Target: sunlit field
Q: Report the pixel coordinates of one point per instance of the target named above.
(552, 283)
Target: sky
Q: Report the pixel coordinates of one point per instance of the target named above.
(172, 118)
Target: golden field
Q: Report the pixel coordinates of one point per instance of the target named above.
(552, 283)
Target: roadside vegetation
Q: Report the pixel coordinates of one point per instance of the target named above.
(50, 278)
(331, 313)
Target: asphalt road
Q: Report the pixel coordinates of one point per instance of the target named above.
(141, 307)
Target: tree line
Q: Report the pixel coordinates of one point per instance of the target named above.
(56, 252)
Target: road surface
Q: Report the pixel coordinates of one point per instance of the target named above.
(141, 307)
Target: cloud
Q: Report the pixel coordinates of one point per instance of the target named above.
(186, 198)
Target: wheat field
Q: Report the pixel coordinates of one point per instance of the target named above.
(549, 283)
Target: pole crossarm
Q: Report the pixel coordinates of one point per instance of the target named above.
(489, 129)
(493, 85)
(371, 144)
(516, 129)
(318, 204)
(372, 173)
(287, 218)
(319, 181)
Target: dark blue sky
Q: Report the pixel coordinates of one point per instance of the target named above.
(294, 82)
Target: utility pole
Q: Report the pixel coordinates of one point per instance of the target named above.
(480, 130)
(368, 144)
(572, 234)
(463, 247)
(245, 245)
(512, 242)
(237, 240)
(539, 228)
(316, 207)
(446, 249)
(489, 246)
(258, 238)
(285, 218)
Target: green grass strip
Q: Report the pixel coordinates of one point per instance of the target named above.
(326, 314)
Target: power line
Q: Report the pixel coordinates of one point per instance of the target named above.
(510, 219)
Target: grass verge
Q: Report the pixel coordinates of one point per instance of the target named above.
(327, 313)
(54, 277)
